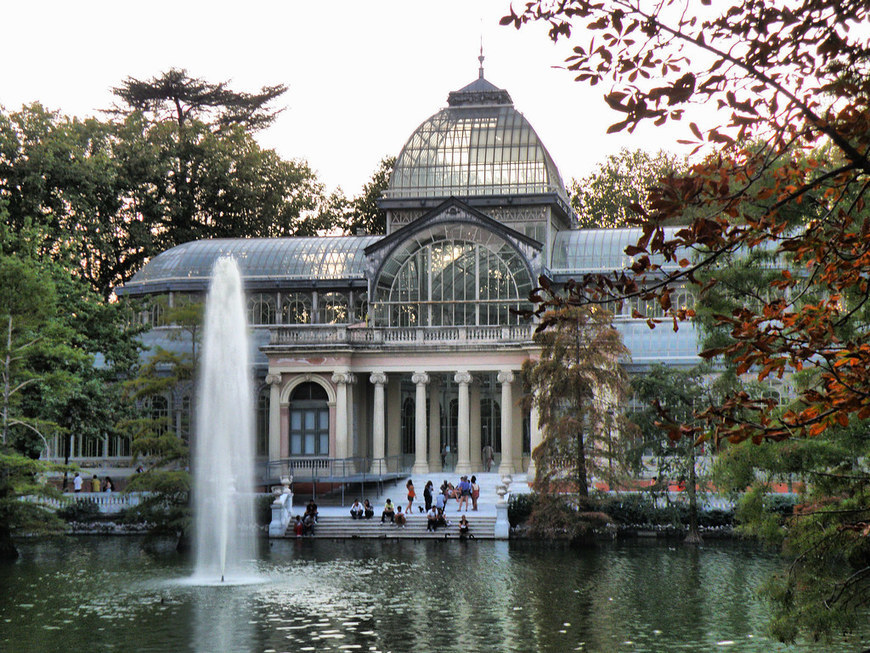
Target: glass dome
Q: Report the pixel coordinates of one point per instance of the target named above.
(478, 146)
(260, 259)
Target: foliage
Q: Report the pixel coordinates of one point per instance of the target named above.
(555, 517)
(80, 510)
(176, 96)
(785, 170)
(263, 510)
(602, 198)
(177, 161)
(20, 476)
(670, 397)
(361, 215)
(520, 506)
(576, 385)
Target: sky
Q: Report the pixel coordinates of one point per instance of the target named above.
(361, 76)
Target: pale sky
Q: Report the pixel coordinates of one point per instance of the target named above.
(361, 75)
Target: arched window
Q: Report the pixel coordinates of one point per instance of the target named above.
(435, 279)
(333, 308)
(296, 309)
(409, 420)
(261, 309)
(360, 307)
(157, 409)
(309, 420)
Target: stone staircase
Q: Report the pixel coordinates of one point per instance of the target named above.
(481, 526)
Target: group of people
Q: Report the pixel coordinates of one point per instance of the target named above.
(304, 524)
(434, 505)
(95, 486)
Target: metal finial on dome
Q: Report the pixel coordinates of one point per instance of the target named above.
(480, 58)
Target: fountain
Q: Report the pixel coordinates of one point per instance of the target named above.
(223, 469)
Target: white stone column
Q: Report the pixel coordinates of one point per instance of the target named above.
(463, 461)
(351, 449)
(340, 379)
(420, 379)
(274, 382)
(379, 379)
(506, 377)
(535, 440)
(474, 425)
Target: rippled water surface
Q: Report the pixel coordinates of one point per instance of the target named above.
(121, 594)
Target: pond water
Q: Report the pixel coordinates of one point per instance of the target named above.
(123, 594)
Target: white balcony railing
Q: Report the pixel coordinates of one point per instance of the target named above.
(398, 336)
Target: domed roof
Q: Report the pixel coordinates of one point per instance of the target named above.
(480, 145)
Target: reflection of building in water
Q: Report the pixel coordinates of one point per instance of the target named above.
(405, 349)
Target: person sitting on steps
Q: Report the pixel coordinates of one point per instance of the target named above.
(356, 510)
(368, 511)
(389, 512)
(400, 517)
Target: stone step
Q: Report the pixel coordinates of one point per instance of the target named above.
(481, 526)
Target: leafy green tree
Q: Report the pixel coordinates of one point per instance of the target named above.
(154, 438)
(201, 174)
(365, 215)
(577, 385)
(603, 199)
(670, 397)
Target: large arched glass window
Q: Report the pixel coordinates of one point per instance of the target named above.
(460, 276)
(261, 309)
(309, 421)
(333, 308)
(296, 309)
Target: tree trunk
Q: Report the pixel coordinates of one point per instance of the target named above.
(582, 482)
(694, 535)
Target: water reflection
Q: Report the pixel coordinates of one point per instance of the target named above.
(110, 595)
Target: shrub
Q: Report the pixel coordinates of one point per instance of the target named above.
(520, 506)
(83, 510)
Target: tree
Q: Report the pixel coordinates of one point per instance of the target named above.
(366, 216)
(176, 96)
(786, 169)
(154, 436)
(670, 397)
(201, 174)
(602, 198)
(577, 385)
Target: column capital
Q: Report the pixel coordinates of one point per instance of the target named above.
(351, 377)
(273, 379)
(419, 378)
(378, 378)
(341, 377)
(505, 376)
(462, 378)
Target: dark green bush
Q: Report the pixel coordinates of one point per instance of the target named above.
(263, 509)
(520, 506)
(781, 504)
(83, 510)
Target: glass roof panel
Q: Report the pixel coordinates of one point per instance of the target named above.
(261, 259)
(598, 250)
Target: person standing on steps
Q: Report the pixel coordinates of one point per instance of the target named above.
(464, 493)
(95, 484)
(411, 496)
(475, 492)
(487, 454)
(427, 495)
(77, 483)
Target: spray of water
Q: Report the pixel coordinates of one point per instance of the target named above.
(224, 533)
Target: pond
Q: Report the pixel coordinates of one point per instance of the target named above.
(126, 594)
